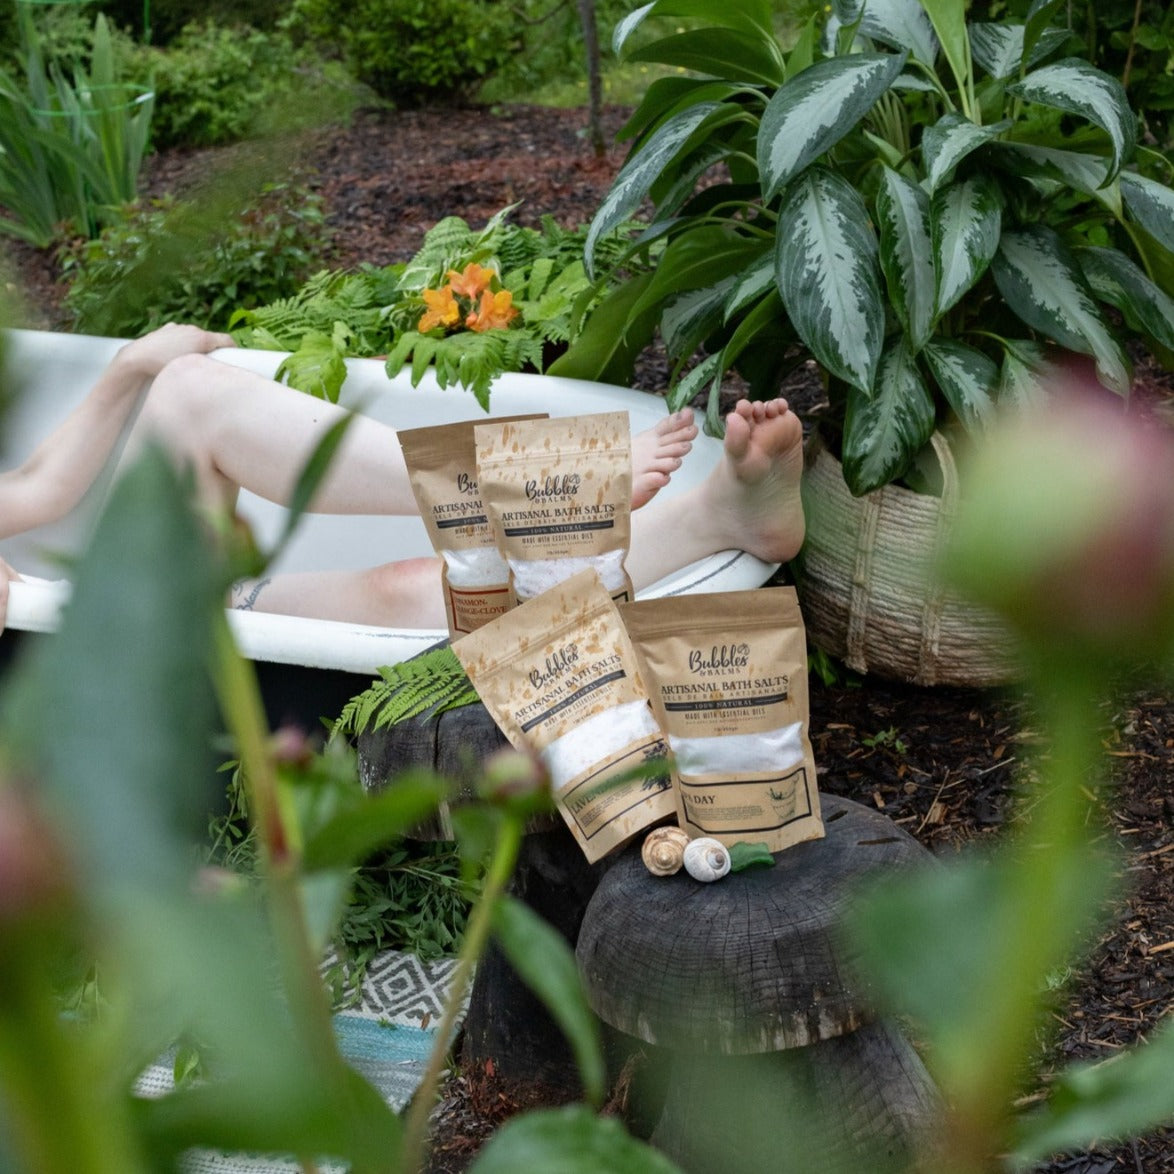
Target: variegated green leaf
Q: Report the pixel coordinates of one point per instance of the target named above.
(1151, 204)
(1040, 280)
(966, 218)
(1026, 375)
(967, 378)
(1086, 173)
(900, 24)
(906, 253)
(884, 431)
(1039, 18)
(626, 27)
(826, 267)
(690, 318)
(815, 109)
(1115, 279)
(998, 48)
(722, 53)
(754, 282)
(686, 389)
(1076, 87)
(945, 144)
(642, 170)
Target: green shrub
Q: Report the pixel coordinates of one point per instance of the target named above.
(414, 52)
(159, 264)
(161, 21)
(214, 84)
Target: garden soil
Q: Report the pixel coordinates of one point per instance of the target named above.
(946, 764)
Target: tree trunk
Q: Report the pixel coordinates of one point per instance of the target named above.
(594, 78)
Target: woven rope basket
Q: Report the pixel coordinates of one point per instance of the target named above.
(868, 589)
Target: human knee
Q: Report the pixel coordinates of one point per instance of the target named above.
(405, 590)
(182, 392)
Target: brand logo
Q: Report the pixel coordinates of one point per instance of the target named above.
(564, 485)
(556, 664)
(720, 658)
(466, 484)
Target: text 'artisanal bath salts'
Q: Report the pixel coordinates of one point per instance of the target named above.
(728, 676)
(559, 676)
(442, 469)
(559, 497)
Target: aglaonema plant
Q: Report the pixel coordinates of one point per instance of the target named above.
(926, 207)
(106, 735)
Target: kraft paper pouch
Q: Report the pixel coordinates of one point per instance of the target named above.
(559, 676)
(559, 498)
(442, 470)
(728, 677)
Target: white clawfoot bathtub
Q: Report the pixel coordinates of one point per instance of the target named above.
(51, 372)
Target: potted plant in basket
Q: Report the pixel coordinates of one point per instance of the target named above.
(929, 209)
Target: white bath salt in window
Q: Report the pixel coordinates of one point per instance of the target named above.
(559, 676)
(596, 738)
(727, 675)
(559, 498)
(442, 469)
(533, 576)
(479, 566)
(775, 749)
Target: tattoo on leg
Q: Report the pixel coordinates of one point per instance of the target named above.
(248, 601)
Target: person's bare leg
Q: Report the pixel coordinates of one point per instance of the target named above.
(403, 594)
(750, 500)
(237, 428)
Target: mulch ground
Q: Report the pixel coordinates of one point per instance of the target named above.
(941, 762)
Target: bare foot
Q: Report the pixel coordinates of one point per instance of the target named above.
(657, 453)
(753, 492)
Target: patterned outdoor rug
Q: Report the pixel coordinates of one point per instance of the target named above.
(387, 1035)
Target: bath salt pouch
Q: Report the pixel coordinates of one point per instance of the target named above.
(559, 497)
(559, 676)
(728, 676)
(442, 469)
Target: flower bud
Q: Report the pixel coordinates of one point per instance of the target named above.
(290, 746)
(1066, 526)
(34, 875)
(512, 776)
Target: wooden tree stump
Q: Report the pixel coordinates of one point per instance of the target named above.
(507, 1029)
(766, 1035)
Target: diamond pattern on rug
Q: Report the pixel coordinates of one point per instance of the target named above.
(387, 1036)
(400, 988)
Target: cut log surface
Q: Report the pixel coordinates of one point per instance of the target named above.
(453, 743)
(751, 963)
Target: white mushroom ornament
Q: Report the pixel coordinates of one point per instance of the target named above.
(663, 850)
(706, 859)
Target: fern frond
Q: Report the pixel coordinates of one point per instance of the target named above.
(432, 682)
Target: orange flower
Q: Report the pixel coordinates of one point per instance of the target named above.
(442, 310)
(471, 282)
(496, 312)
